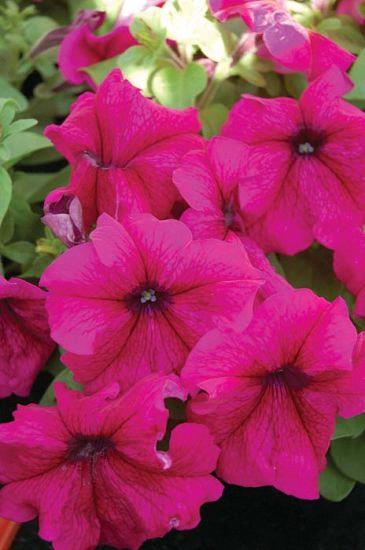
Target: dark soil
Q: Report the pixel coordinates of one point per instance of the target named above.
(258, 519)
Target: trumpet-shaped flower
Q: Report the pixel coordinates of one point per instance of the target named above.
(81, 47)
(123, 148)
(137, 298)
(90, 470)
(270, 395)
(208, 181)
(300, 183)
(24, 336)
(291, 47)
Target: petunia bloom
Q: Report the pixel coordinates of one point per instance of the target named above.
(208, 181)
(81, 47)
(90, 469)
(271, 393)
(136, 299)
(64, 217)
(291, 47)
(25, 342)
(301, 182)
(123, 148)
(349, 264)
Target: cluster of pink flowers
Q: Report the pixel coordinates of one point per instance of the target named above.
(165, 291)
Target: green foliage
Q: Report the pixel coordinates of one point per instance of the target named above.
(349, 427)
(212, 117)
(5, 193)
(313, 269)
(357, 71)
(65, 376)
(333, 484)
(349, 456)
(343, 30)
(178, 88)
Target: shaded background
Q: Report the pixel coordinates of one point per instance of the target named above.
(244, 519)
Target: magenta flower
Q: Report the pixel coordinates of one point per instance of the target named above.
(123, 149)
(24, 336)
(271, 393)
(300, 183)
(81, 47)
(351, 8)
(136, 300)
(208, 181)
(90, 469)
(291, 47)
(64, 218)
(349, 264)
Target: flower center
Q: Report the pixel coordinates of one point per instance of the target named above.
(289, 376)
(147, 297)
(307, 142)
(82, 448)
(228, 215)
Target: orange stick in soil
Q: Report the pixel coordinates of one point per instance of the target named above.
(8, 530)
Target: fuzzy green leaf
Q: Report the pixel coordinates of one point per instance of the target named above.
(349, 427)
(212, 118)
(178, 88)
(349, 456)
(333, 484)
(65, 376)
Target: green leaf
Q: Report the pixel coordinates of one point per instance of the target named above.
(212, 117)
(187, 23)
(34, 187)
(21, 252)
(5, 193)
(356, 74)
(99, 71)
(27, 223)
(333, 484)
(37, 26)
(213, 40)
(349, 427)
(295, 84)
(178, 88)
(22, 145)
(38, 265)
(7, 228)
(312, 269)
(344, 31)
(9, 91)
(349, 456)
(249, 74)
(148, 29)
(49, 399)
(138, 64)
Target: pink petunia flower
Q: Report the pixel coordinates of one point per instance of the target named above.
(291, 47)
(123, 149)
(81, 47)
(25, 343)
(90, 469)
(349, 264)
(208, 181)
(352, 8)
(301, 182)
(64, 218)
(271, 394)
(136, 299)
